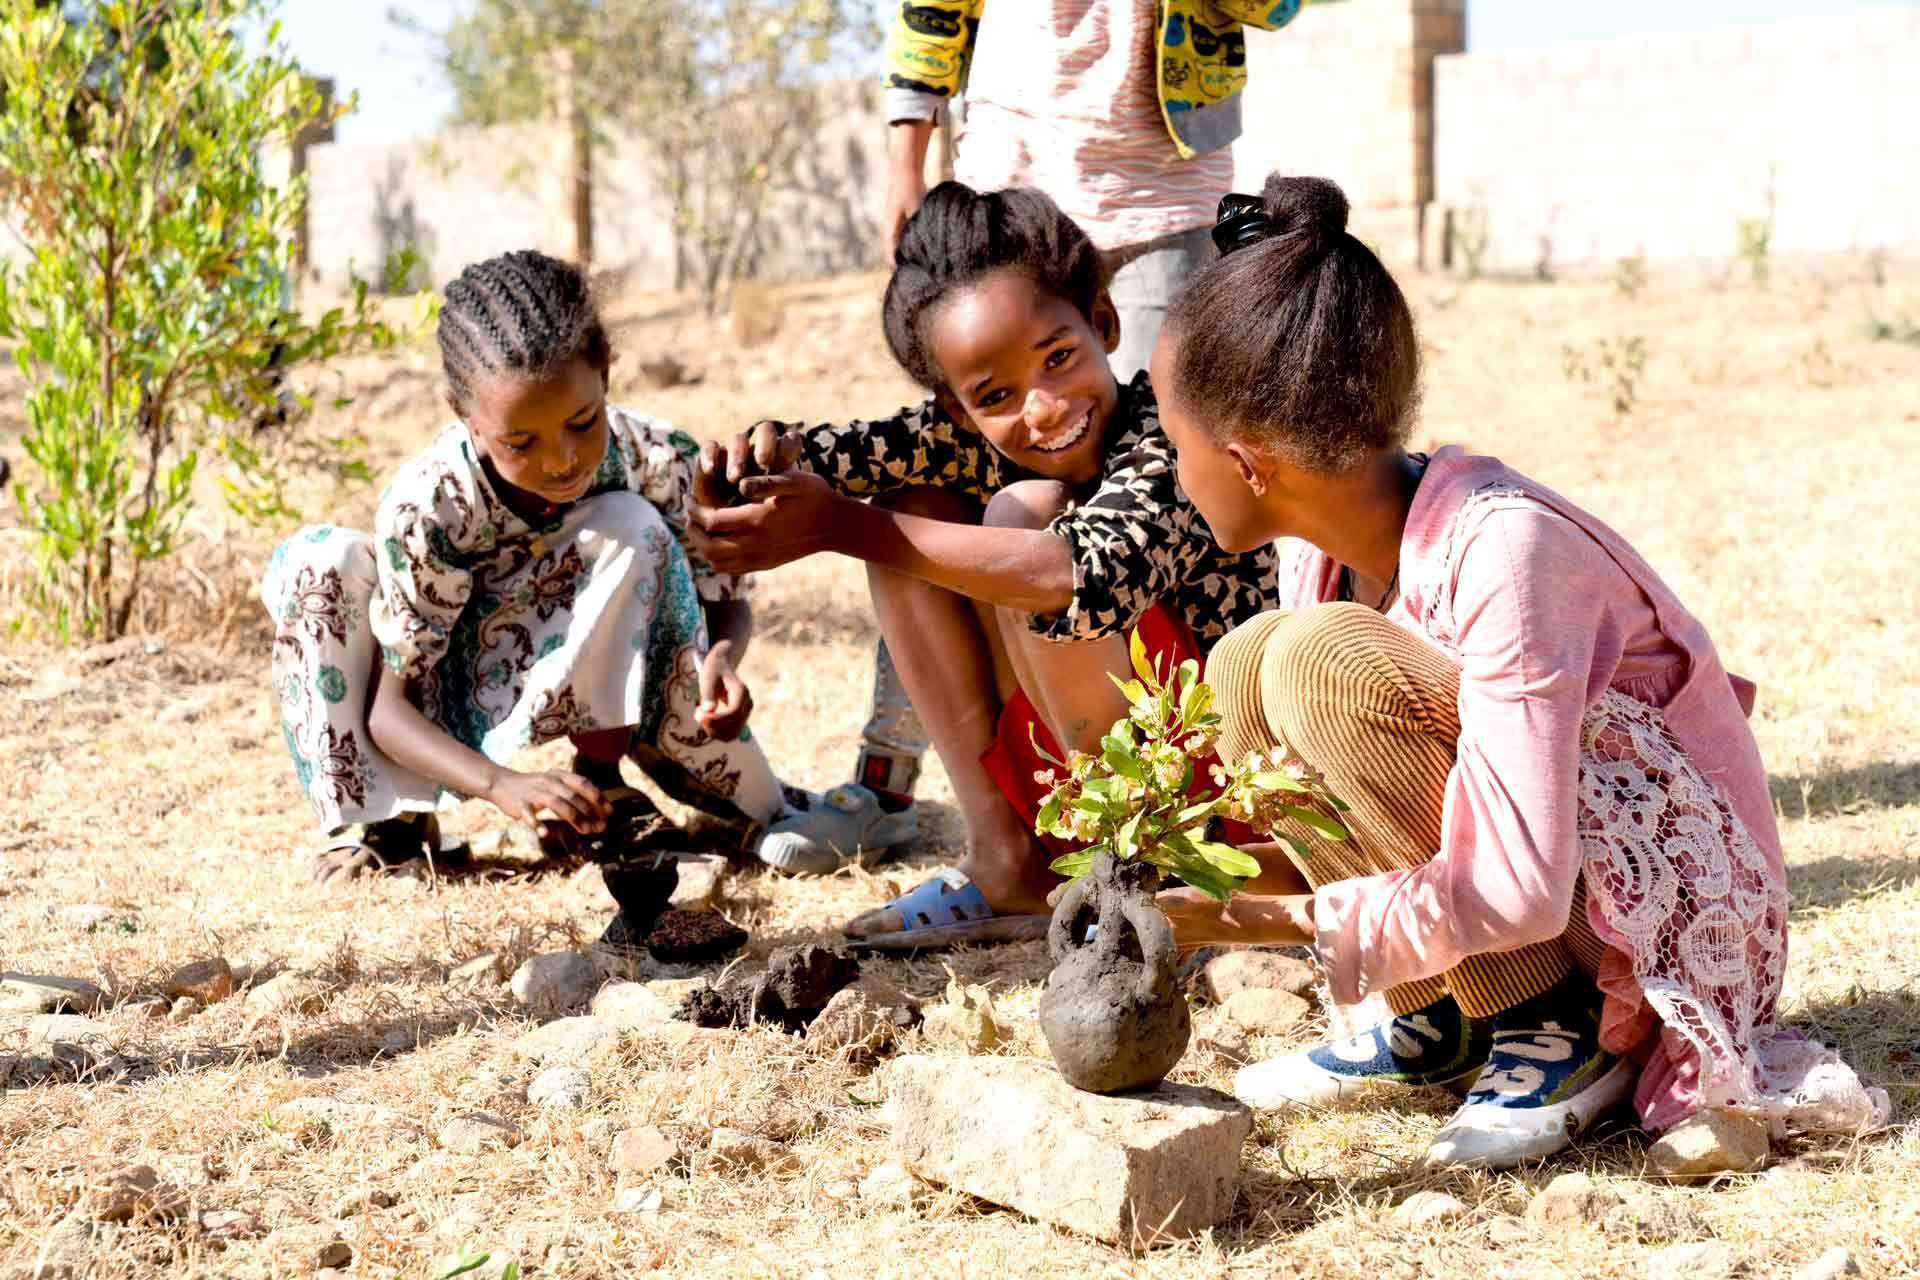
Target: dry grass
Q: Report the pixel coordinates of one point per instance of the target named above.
(1761, 472)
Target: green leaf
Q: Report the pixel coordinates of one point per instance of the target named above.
(1073, 865)
(1225, 857)
(1280, 782)
(1300, 848)
(1125, 844)
(1320, 822)
(1049, 816)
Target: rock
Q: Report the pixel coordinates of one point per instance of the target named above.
(1225, 1039)
(335, 1253)
(398, 1040)
(965, 1021)
(1573, 1199)
(288, 993)
(1831, 1265)
(633, 1004)
(702, 877)
(1654, 1218)
(185, 1009)
(561, 1088)
(890, 1184)
(37, 993)
(1698, 1260)
(229, 1224)
(1236, 971)
(208, 981)
(1262, 1011)
(151, 1006)
(361, 1199)
(730, 1149)
(566, 1041)
(1149, 1166)
(555, 982)
(483, 970)
(65, 1252)
(61, 1046)
(637, 1200)
(1710, 1142)
(479, 1131)
(134, 1191)
(598, 1132)
(854, 1025)
(1429, 1209)
(644, 1151)
(1507, 1232)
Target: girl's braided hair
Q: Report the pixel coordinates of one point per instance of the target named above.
(522, 314)
(1296, 337)
(956, 238)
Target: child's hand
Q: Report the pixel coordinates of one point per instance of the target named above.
(558, 795)
(782, 518)
(766, 448)
(725, 703)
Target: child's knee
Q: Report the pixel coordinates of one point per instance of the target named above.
(311, 555)
(933, 504)
(1027, 504)
(1313, 656)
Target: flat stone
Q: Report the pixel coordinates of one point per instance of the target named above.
(703, 876)
(1508, 1231)
(560, 1088)
(1236, 971)
(645, 1150)
(208, 981)
(1698, 1260)
(1831, 1265)
(134, 1191)
(483, 970)
(1711, 1142)
(229, 1224)
(637, 1200)
(730, 1149)
(1224, 1039)
(854, 1025)
(44, 993)
(555, 982)
(1263, 1011)
(567, 1041)
(61, 1046)
(1150, 1166)
(479, 1131)
(633, 1004)
(288, 993)
(890, 1184)
(1429, 1209)
(1573, 1199)
(65, 1252)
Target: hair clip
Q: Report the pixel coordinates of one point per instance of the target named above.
(1241, 221)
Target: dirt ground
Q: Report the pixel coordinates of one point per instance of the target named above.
(151, 820)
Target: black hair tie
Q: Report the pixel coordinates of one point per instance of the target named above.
(1240, 221)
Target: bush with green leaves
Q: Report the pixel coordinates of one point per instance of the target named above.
(1136, 799)
(153, 314)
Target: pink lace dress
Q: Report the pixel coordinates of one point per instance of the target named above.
(1600, 736)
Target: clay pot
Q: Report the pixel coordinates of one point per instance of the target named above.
(641, 887)
(1112, 1013)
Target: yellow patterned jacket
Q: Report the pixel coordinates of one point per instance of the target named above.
(1202, 48)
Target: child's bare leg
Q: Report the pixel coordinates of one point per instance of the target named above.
(947, 659)
(1066, 682)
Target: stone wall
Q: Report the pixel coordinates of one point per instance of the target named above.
(1665, 145)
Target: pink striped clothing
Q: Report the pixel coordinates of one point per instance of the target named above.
(1599, 736)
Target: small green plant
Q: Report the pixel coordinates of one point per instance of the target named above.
(1615, 365)
(1900, 329)
(1630, 275)
(465, 1263)
(1136, 799)
(1755, 239)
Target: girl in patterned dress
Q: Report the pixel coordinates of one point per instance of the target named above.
(1563, 870)
(1018, 524)
(526, 580)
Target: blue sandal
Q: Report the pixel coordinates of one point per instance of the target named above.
(945, 910)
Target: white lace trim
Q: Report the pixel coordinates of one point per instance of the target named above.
(1702, 913)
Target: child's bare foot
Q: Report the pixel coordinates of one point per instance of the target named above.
(396, 846)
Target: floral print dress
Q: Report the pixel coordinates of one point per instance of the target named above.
(510, 631)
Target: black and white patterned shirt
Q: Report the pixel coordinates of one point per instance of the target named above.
(1135, 539)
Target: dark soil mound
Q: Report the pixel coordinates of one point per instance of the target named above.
(694, 937)
(795, 988)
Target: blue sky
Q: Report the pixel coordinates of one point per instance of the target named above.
(402, 97)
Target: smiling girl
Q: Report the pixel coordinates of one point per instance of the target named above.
(1017, 524)
(526, 581)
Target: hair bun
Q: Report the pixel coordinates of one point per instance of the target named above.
(1316, 206)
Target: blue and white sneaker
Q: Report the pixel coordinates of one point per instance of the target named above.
(1437, 1045)
(1546, 1081)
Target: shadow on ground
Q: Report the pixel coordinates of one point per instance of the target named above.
(1884, 784)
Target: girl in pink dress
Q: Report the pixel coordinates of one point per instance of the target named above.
(1564, 873)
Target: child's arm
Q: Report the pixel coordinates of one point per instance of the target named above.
(404, 735)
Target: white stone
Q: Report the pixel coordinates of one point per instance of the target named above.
(1265, 1011)
(562, 1088)
(567, 1041)
(288, 993)
(637, 1200)
(1710, 1142)
(890, 1184)
(632, 1004)
(61, 1046)
(479, 1131)
(1255, 970)
(702, 878)
(1429, 1209)
(1573, 1199)
(555, 982)
(645, 1150)
(43, 993)
(65, 1252)
(1697, 1260)
(854, 1025)
(1150, 1166)
(1831, 1265)
(484, 969)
